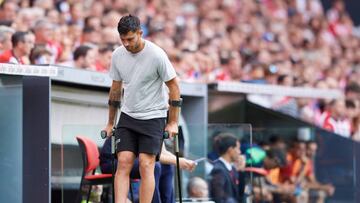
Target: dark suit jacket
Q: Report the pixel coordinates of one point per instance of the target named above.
(223, 188)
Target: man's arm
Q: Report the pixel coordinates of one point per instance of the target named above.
(174, 95)
(312, 183)
(167, 157)
(114, 99)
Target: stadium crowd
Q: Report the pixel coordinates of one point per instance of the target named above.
(277, 42)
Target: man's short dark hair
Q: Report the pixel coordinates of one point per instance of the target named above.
(278, 155)
(275, 139)
(352, 87)
(106, 48)
(225, 141)
(81, 51)
(350, 104)
(88, 29)
(37, 52)
(127, 24)
(17, 37)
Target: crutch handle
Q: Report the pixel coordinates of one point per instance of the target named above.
(103, 134)
(166, 135)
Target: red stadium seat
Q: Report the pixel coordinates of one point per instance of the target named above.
(90, 156)
(257, 171)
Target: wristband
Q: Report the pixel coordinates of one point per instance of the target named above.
(115, 104)
(176, 103)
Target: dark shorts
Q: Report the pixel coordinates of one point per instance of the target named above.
(139, 136)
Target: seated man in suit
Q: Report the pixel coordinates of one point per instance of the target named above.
(166, 158)
(224, 183)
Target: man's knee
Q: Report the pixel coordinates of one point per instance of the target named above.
(147, 164)
(125, 161)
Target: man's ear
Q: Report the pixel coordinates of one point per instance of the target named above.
(80, 60)
(140, 32)
(228, 150)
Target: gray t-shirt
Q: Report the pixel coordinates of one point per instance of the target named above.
(143, 75)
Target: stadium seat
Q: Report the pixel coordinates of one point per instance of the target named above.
(90, 156)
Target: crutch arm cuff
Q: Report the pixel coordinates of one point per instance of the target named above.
(115, 104)
(176, 103)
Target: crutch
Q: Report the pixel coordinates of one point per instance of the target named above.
(103, 136)
(176, 144)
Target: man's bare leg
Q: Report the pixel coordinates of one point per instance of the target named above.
(125, 164)
(147, 186)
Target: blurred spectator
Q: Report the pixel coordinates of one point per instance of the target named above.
(338, 8)
(343, 26)
(352, 91)
(84, 58)
(109, 36)
(40, 55)
(104, 59)
(97, 8)
(5, 38)
(44, 33)
(110, 19)
(261, 166)
(276, 142)
(93, 22)
(77, 13)
(198, 188)
(26, 18)
(287, 105)
(295, 159)
(74, 34)
(356, 128)
(53, 16)
(352, 109)
(8, 11)
(318, 191)
(309, 110)
(231, 66)
(257, 73)
(296, 171)
(90, 35)
(22, 43)
(336, 120)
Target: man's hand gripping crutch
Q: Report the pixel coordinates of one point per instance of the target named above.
(171, 130)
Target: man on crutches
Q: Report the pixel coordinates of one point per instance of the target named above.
(144, 70)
